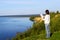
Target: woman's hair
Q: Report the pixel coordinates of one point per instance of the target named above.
(47, 12)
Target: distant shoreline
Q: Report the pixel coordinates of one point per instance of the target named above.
(20, 15)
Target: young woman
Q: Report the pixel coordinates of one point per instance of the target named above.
(47, 23)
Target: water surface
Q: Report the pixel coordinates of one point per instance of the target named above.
(9, 26)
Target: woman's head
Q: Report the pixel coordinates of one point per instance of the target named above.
(47, 11)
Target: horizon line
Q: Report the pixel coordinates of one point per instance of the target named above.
(20, 15)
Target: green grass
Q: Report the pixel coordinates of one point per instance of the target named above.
(55, 36)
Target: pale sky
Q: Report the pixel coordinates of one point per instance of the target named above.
(23, 7)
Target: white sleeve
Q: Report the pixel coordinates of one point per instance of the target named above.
(42, 17)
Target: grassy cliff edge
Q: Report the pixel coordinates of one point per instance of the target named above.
(37, 32)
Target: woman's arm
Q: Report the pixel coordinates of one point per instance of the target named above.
(42, 16)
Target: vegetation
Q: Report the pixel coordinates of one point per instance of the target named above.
(32, 18)
(37, 32)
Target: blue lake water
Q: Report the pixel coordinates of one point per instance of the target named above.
(9, 26)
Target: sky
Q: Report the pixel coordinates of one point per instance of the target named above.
(24, 7)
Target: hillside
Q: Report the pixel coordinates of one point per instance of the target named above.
(55, 36)
(37, 32)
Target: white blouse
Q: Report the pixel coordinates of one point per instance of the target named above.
(46, 18)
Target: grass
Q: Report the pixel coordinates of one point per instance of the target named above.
(55, 36)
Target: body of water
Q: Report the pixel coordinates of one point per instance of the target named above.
(9, 26)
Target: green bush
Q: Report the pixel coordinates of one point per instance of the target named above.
(55, 24)
(32, 18)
